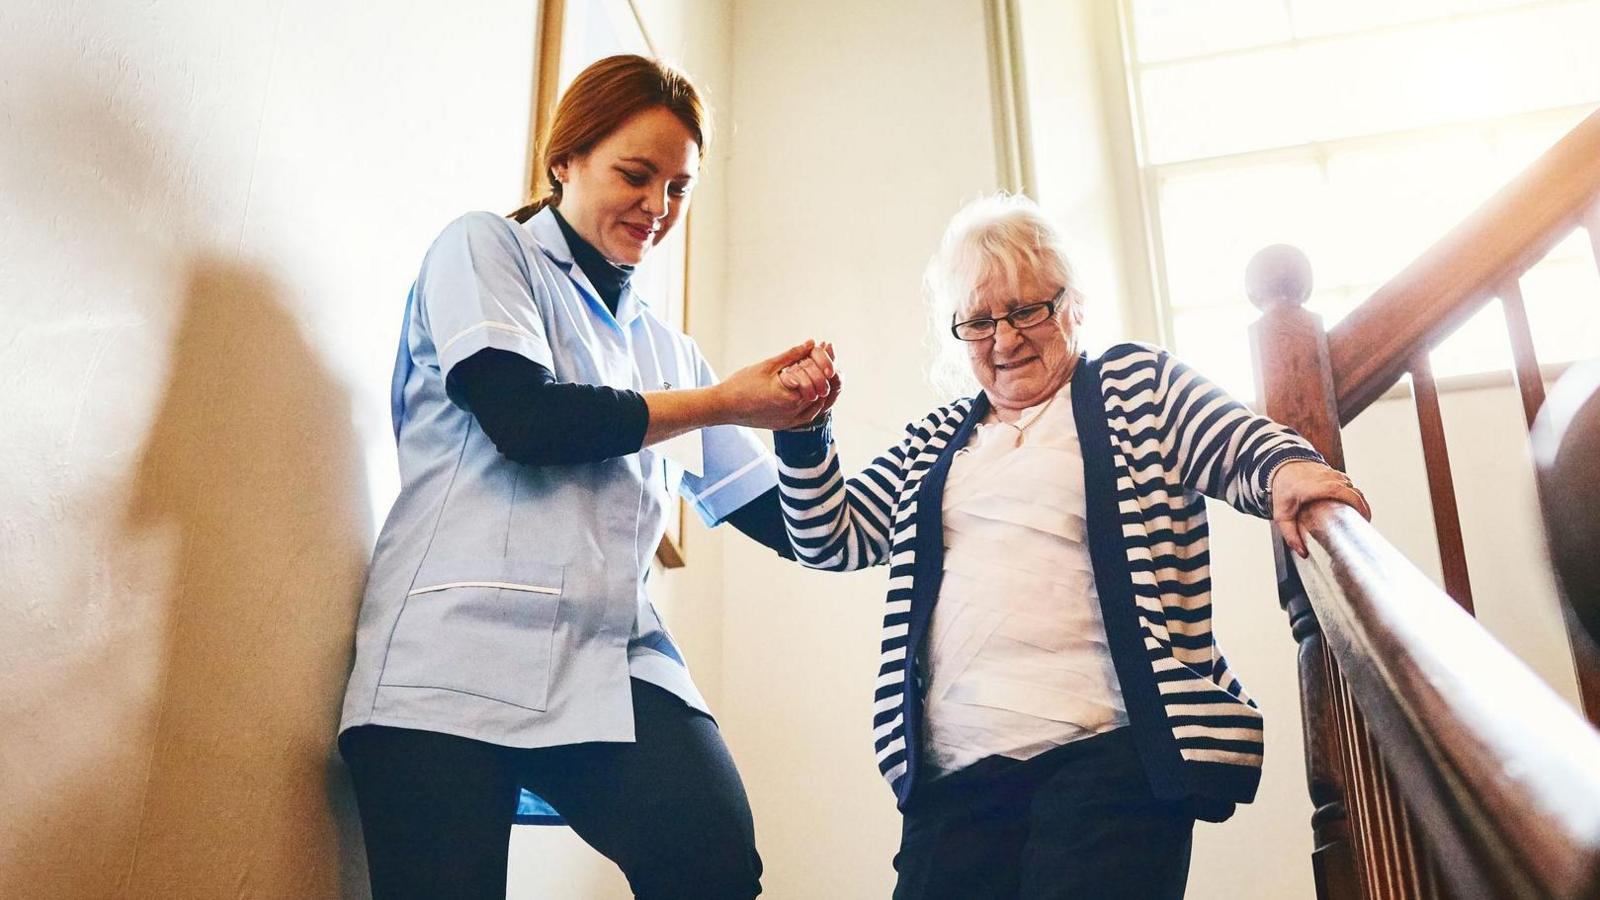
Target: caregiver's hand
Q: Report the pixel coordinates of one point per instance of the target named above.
(814, 374)
(817, 375)
(759, 396)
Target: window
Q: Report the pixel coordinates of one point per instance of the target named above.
(1360, 131)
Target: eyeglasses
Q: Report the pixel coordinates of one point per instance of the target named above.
(1019, 318)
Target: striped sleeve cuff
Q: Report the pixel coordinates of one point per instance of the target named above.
(804, 449)
(1271, 463)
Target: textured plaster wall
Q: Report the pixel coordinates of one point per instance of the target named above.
(211, 213)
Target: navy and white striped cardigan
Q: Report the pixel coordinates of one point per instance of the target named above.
(1156, 439)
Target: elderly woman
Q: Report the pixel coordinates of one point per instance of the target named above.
(1051, 709)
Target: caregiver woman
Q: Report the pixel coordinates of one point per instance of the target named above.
(506, 638)
(1051, 709)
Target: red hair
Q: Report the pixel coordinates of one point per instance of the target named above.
(603, 96)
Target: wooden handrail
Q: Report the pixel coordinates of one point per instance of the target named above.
(1373, 346)
(1501, 775)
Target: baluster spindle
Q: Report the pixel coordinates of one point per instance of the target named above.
(1529, 382)
(1441, 486)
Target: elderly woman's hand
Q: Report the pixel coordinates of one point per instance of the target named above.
(759, 396)
(1296, 485)
(815, 376)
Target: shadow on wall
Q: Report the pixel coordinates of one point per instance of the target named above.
(252, 458)
(218, 778)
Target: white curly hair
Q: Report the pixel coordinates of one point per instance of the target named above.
(994, 238)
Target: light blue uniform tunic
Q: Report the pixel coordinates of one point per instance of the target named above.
(505, 602)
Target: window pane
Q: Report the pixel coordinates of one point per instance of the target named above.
(1360, 131)
(1389, 203)
(1225, 105)
(1213, 222)
(1217, 344)
(1320, 17)
(1482, 67)
(1516, 144)
(1333, 304)
(1165, 29)
(1478, 346)
(1391, 80)
(1562, 294)
(1470, 6)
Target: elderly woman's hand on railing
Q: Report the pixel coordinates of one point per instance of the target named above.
(1299, 483)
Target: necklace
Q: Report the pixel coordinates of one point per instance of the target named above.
(1022, 427)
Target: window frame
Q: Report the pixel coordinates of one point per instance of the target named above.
(1151, 176)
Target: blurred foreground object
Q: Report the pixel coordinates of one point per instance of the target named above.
(1566, 449)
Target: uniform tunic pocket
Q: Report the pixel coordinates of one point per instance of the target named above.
(479, 626)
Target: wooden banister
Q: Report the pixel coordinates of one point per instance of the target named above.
(1498, 773)
(1438, 764)
(1372, 347)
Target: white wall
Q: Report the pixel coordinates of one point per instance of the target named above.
(859, 129)
(212, 213)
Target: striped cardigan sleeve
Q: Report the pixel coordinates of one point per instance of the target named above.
(1216, 444)
(837, 523)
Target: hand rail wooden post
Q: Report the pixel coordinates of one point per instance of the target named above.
(1295, 385)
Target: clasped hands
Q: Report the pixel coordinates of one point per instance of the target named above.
(788, 390)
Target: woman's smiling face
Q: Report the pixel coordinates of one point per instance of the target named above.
(627, 193)
(1020, 368)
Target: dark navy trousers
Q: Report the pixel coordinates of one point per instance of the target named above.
(669, 809)
(1078, 821)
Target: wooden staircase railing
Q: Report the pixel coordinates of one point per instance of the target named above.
(1437, 763)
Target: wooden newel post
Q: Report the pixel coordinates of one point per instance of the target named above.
(1293, 378)
(1295, 387)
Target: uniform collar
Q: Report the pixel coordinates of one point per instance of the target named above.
(547, 232)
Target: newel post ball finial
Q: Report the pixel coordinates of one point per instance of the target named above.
(1278, 275)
